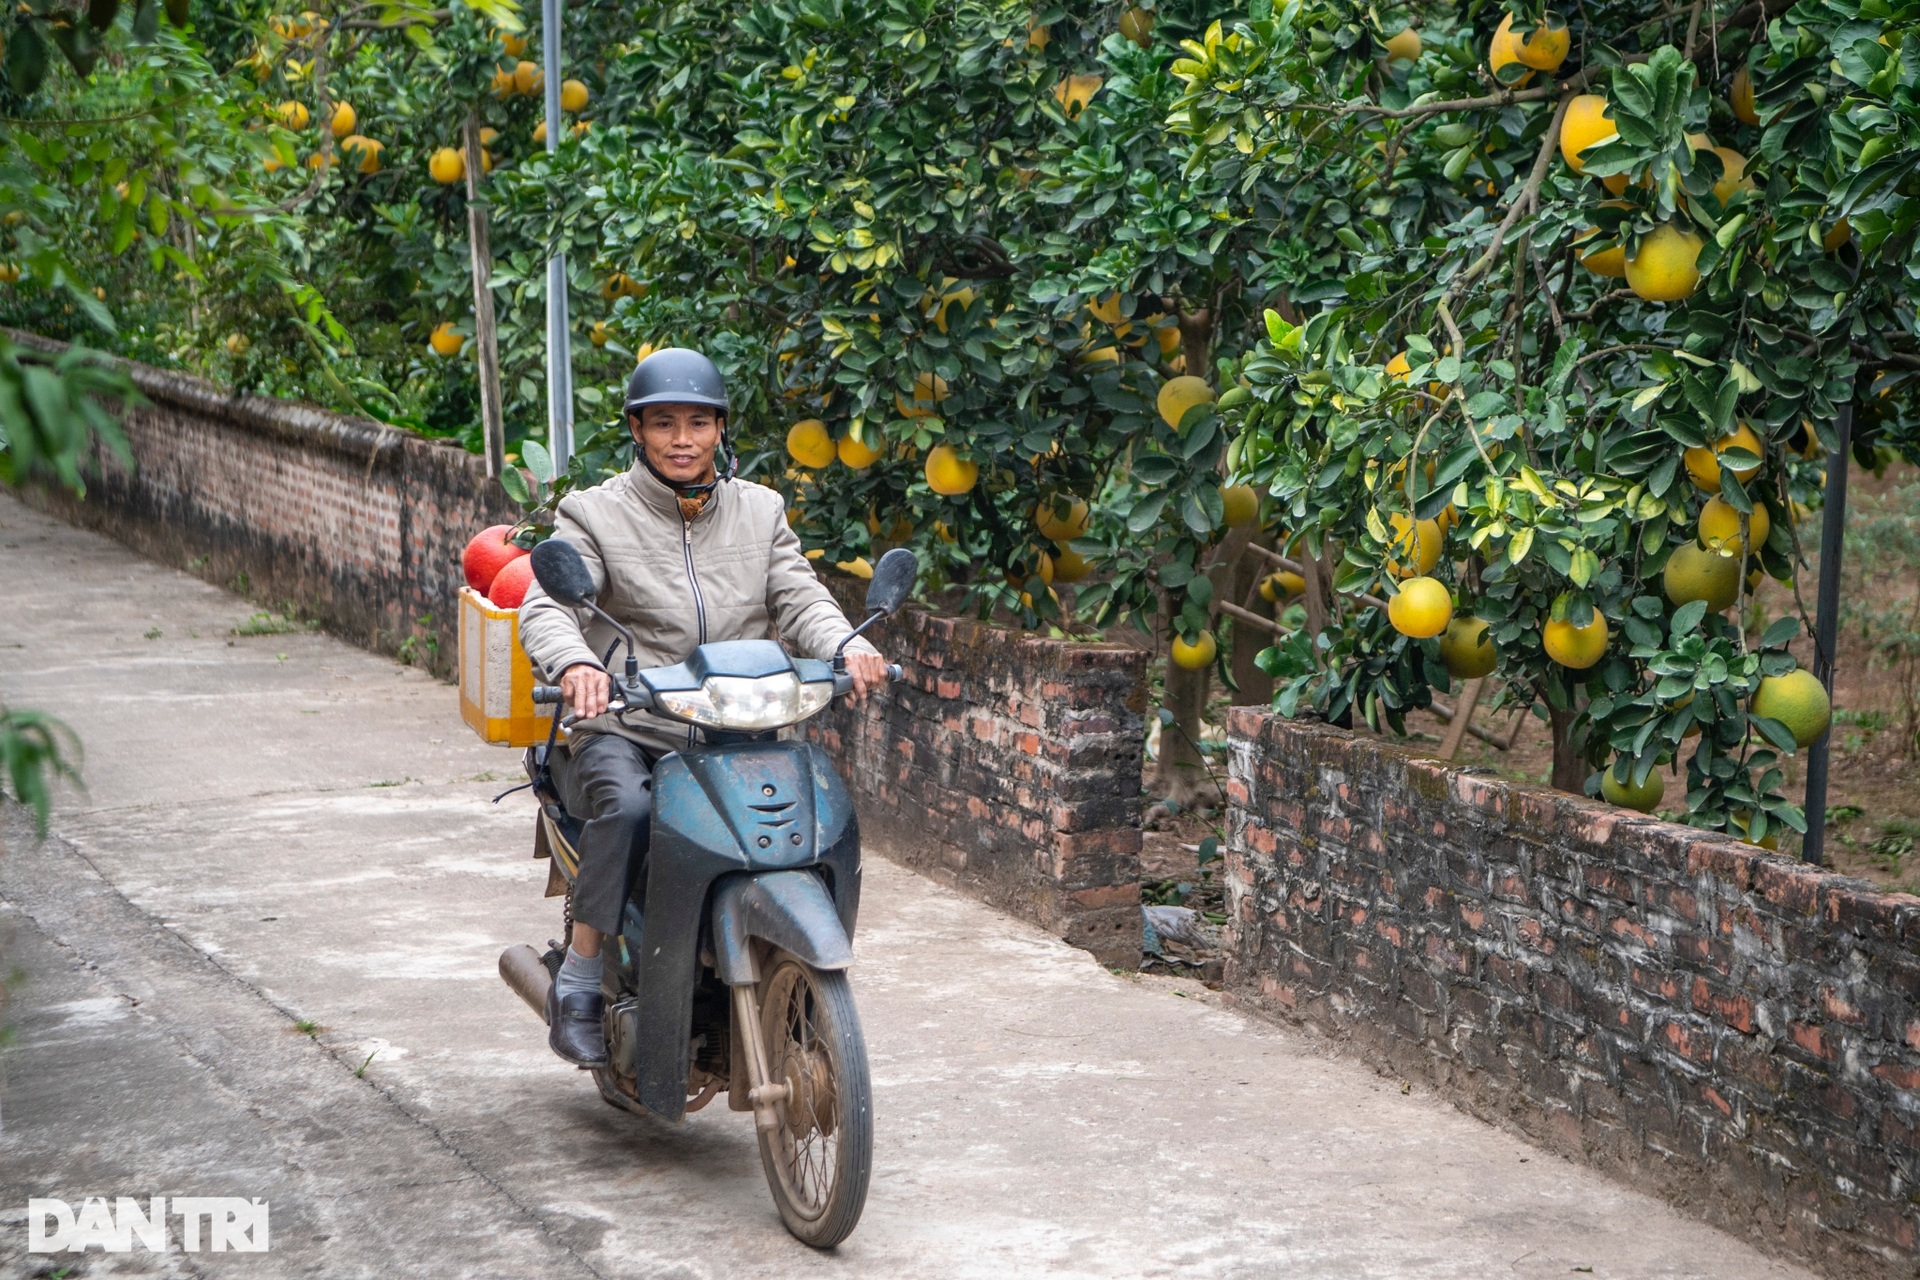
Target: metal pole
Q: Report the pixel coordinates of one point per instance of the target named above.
(559, 337)
(1826, 626)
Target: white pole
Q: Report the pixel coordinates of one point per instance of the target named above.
(559, 336)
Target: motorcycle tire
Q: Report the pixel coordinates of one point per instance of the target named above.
(819, 1159)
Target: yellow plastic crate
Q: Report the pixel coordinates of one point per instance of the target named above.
(496, 677)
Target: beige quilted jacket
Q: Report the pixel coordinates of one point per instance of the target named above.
(732, 573)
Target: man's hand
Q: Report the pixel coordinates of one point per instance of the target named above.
(869, 671)
(586, 689)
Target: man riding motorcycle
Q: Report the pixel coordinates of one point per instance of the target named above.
(682, 555)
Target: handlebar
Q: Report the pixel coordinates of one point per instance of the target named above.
(552, 694)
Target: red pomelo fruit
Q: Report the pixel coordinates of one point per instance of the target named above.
(487, 555)
(510, 584)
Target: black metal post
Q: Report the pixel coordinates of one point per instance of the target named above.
(1826, 627)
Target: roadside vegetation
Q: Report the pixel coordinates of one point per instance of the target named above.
(1343, 353)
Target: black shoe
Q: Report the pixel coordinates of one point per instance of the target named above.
(574, 1026)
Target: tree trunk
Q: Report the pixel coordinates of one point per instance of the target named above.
(1569, 763)
(486, 336)
(1255, 686)
(1180, 773)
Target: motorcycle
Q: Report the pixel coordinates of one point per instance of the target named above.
(729, 973)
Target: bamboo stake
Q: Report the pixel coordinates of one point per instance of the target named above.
(485, 334)
(1462, 718)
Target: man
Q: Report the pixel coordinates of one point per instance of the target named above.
(683, 555)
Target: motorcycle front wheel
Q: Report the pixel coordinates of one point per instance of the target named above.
(819, 1158)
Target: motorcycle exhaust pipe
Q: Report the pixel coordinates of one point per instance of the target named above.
(521, 969)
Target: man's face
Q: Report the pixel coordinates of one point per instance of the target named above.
(678, 439)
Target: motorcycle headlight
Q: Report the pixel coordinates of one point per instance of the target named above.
(747, 703)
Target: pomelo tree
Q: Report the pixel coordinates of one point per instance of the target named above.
(950, 258)
(1566, 307)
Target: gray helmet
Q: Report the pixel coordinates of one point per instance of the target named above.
(676, 375)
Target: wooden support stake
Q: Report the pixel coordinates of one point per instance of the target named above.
(486, 335)
(1251, 618)
(1462, 717)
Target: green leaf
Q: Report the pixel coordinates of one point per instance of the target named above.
(515, 484)
(538, 460)
(26, 61)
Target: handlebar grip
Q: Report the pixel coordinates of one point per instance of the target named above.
(894, 672)
(546, 693)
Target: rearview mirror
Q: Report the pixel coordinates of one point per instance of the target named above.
(892, 581)
(565, 576)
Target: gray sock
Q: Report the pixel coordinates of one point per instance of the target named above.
(578, 974)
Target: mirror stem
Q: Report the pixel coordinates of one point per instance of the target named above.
(840, 650)
(626, 637)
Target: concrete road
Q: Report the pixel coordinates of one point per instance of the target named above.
(259, 956)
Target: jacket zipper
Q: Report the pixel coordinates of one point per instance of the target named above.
(699, 604)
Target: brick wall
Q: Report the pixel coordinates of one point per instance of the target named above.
(1736, 1030)
(358, 524)
(1009, 765)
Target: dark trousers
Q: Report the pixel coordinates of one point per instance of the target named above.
(607, 780)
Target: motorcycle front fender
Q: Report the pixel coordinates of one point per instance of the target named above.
(789, 909)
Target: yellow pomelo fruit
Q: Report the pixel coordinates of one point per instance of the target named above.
(1576, 648)
(1404, 47)
(237, 344)
(573, 95)
(1719, 527)
(948, 473)
(809, 444)
(1503, 51)
(1061, 521)
(929, 389)
(503, 82)
(1604, 262)
(1106, 310)
(1167, 337)
(1069, 565)
(857, 566)
(1839, 234)
(1242, 505)
(1738, 823)
(1073, 93)
(1694, 573)
(1466, 650)
(1703, 463)
(856, 454)
(599, 334)
(539, 135)
(1283, 585)
(1137, 26)
(1422, 545)
(1798, 700)
(1585, 124)
(447, 166)
(527, 77)
(1733, 169)
(1740, 97)
(1663, 270)
(444, 341)
(1544, 48)
(514, 45)
(364, 153)
(1422, 607)
(1645, 797)
(1399, 368)
(293, 115)
(1178, 395)
(344, 119)
(1195, 656)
